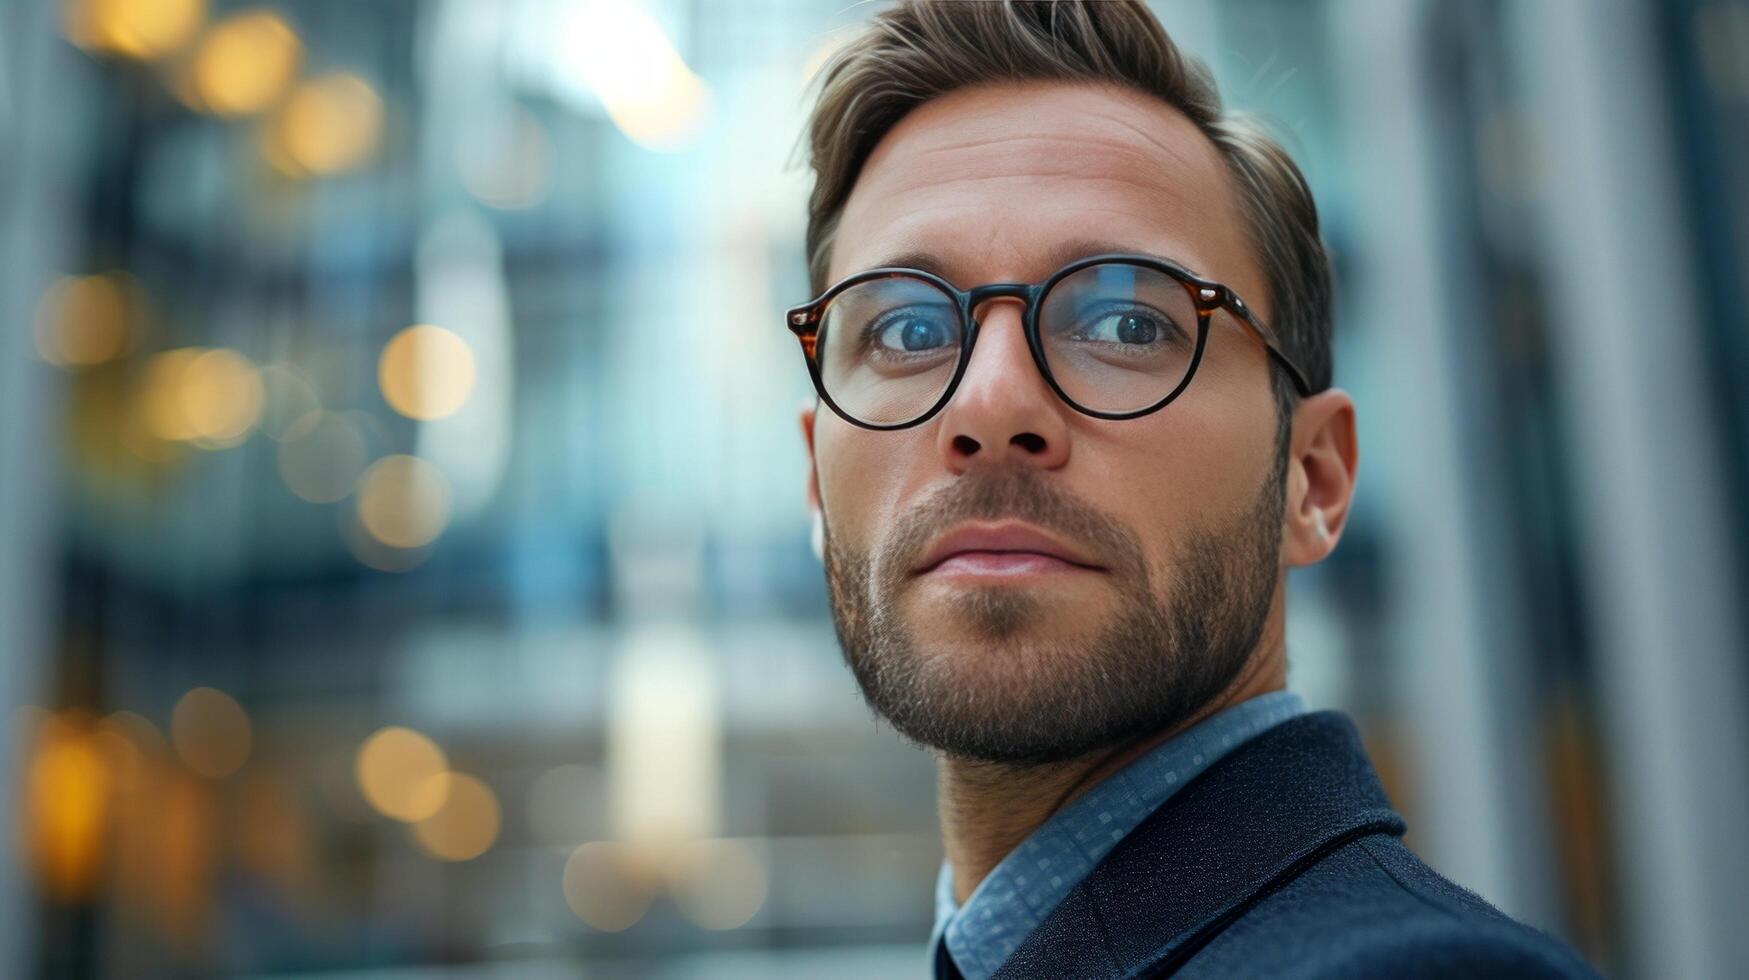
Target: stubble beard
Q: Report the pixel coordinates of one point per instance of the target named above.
(1020, 700)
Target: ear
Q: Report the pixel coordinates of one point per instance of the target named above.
(1322, 456)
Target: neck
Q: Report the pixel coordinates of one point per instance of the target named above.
(987, 809)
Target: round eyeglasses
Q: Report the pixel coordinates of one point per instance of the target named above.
(1115, 336)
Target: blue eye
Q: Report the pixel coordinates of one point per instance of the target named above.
(913, 332)
(1129, 327)
(1133, 328)
(1125, 328)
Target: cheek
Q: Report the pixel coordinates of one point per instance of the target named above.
(1193, 463)
(862, 476)
(1224, 424)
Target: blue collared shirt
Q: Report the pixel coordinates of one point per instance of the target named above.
(1037, 875)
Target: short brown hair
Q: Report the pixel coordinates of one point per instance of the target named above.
(918, 50)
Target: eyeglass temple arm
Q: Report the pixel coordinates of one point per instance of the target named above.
(1293, 371)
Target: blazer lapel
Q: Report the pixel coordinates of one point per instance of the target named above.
(1252, 821)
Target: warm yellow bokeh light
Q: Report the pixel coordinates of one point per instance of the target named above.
(83, 320)
(211, 732)
(403, 501)
(221, 396)
(245, 63)
(426, 372)
(210, 397)
(603, 888)
(723, 883)
(322, 456)
(373, 554)
(134, 28)
(161, 394)
(395, 767)
(328, 124)
(465, 825)
(67, 798)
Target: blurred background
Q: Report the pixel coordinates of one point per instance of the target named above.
(403, 567)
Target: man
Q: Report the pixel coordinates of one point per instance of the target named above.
(1071, 339)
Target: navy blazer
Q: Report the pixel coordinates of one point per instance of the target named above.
(1280, 860)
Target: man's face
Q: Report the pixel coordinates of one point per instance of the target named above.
(1012, 580)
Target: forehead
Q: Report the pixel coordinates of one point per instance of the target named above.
(1005, 181)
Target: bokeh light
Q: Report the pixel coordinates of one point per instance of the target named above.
(645, 86)
(210, 397)
(465, 826)
(321, 456)
(722, 884)
(604, 886)
(426, 372)
(374, 554)
(395, 768)
(211, 732)
(161, 394)
(403, 501)
(83, 320)
(134, 28)
(67, 786)
(245, 63)
(327, 125)
(221, 396)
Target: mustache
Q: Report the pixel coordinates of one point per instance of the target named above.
(1017, 493)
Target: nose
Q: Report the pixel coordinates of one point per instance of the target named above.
(1003, 412)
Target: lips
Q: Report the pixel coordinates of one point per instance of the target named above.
(997, 546)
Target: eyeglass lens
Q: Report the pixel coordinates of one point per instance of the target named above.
(1116, 338)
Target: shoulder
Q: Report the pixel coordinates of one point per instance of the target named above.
(1372, 908)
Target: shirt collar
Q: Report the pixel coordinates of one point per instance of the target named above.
(1027, 884)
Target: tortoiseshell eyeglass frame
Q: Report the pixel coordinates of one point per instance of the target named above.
(1206, 295)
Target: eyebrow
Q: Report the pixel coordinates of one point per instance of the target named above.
(1060, 255)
